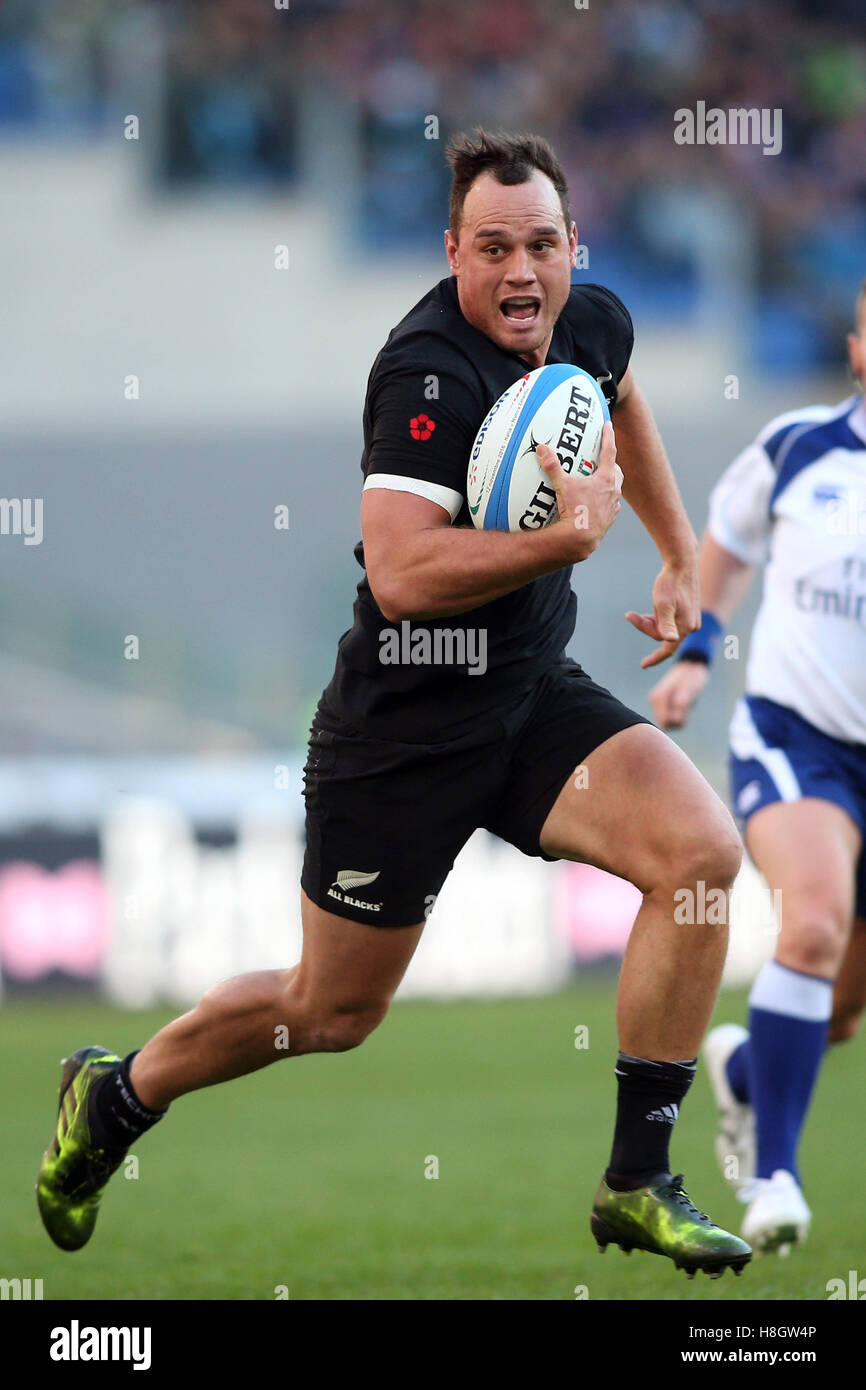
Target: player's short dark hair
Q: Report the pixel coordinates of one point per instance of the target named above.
(860, 308)
(511, 158)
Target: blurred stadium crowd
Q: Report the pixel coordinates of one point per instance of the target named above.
(601, 82)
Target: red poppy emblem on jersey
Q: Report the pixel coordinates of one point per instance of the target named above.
(421, 426)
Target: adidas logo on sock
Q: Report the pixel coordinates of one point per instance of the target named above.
(666, 1115)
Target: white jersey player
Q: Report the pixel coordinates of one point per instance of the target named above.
(794, 501)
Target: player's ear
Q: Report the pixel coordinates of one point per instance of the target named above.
(451, 250)
(572, 246)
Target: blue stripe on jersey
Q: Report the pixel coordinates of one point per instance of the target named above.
(497, 503)
(810, 445)
(774, 444)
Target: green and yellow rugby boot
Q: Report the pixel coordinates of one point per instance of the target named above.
(74, 1171)
(661, 1218)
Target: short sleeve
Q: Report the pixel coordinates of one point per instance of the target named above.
(601, 335)
(740, 517)
(420, 431)
(617, 329)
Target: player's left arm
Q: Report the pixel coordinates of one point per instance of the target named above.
(650, 489)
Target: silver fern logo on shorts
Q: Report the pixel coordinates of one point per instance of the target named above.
(349, 879)
(354, 878)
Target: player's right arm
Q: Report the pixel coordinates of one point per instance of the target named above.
(420, 567)
(733, 544)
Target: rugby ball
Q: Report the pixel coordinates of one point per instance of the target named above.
(506, 487)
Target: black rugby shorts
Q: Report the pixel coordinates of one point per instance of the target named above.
(386, 820)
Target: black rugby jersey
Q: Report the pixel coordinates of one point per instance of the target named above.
(429, 390)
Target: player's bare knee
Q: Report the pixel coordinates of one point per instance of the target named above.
(344, 1029)
(814, 944)
(711, 858)
(727, 854)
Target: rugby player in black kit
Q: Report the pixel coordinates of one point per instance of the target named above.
(407, 760)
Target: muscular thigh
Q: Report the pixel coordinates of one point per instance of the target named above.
(636, 805)
(350, 965)
(808, 851)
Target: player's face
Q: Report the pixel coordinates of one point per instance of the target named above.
(512, 260)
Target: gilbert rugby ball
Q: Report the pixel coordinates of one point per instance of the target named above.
(506, 487)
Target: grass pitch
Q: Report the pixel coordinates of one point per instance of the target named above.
(311, 1176)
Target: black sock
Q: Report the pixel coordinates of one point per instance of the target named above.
(648, 1100)
(116, 1116)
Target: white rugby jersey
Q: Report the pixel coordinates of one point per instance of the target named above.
(796, 499)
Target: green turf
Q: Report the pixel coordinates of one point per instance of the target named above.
(311, 1174)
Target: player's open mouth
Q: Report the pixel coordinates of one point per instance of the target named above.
(520, 309)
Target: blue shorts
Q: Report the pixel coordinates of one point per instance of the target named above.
(776, 755)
